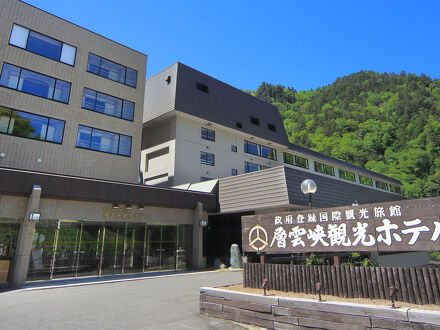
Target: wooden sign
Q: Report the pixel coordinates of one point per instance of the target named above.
(407, 225)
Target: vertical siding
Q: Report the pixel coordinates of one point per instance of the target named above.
(159, 95)
(262, 189)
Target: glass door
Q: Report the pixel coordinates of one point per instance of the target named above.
(153, 255)
(161, 247)
(113, 248)
(169, 247)
(134, 248)
(67, 247)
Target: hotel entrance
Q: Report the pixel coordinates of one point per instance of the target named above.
(70, 248)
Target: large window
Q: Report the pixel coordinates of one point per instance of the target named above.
(365, 180)
(208, 134)
(347, 175)
(296, 160)
(111, 70)
(207, 158)
(34, 83)
(24, 124)
(251, 167)
(381, 185)
(107, 104)
(98, 140)
(324, 168)
(259, 150)
(42, 45)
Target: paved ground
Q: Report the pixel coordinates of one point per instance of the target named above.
(158, 302)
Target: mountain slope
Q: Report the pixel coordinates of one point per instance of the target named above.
(387, 123)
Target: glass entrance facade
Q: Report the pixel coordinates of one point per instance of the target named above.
(69, 248)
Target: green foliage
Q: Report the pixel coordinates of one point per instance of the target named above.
(314, 260)
(388, 123)
(434, 255)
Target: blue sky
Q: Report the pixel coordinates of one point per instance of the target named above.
(305, 44)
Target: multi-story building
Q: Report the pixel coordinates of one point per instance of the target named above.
(197, 128)
(71, 100)
(71, 105)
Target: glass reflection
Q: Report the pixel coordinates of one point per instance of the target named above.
(45, 46)
(36, 84)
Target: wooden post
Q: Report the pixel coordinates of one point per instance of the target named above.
(336, 261)
(262, 257)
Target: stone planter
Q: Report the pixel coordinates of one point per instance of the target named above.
(4, 270)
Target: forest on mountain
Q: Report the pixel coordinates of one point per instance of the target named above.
(387, 123)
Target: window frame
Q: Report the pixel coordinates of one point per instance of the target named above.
(295, 160)
(45, 35)
(380, 183)
(259, 152)
(362, 177)
(100, 66)
(272, 127)
(395, 189)
(246, 166)
(347, 172)
(46, 98)
(29, 138)
(207, 134)
(206, 162)
(103, 113)
(324, 165)
(202, 87)
(254, 120)
(104, 152)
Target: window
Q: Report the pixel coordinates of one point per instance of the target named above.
(271, 127)
(366, 181)
(395, 189)
(202, 87)
(256, 149)
(111, 70)
(347, 175)
(251, 167)
(234, 171)
(239, 125)
(106, 104)
(296, 160)
(108, 142)
(30, 82)
(233, 148)
(255, 121)
(207, 158)
(381, 185)
(208, 134)
(27, 125)
(323, 168)
(204, 178)
(42, 45)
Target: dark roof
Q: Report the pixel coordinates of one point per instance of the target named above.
(226, 105)
(20, 182)
(358, 169)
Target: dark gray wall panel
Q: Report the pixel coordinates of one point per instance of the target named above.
(332, 192)
(225, 105)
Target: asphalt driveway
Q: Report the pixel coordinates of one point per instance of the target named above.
(160, 302)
